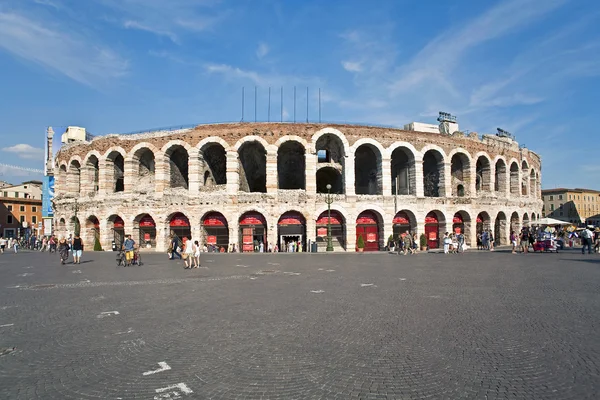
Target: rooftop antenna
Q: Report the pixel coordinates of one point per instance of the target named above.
(242, 120)
(445, 119)
(505, 134)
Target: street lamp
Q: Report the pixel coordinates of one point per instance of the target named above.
(329, 200)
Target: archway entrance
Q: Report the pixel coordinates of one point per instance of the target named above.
(291, 231)
(368, 227)
(215, 230)
(432, 228)
(118, 231)
(180, 226)
(458, 224)
(401, 224)
(147, 231)
(500, 229)
(483, 222)
(253, 232)
(338, 231)
(92, 233)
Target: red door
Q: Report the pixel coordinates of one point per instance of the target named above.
(366, 226)
(431, 231)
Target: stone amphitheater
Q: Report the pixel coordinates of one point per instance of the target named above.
(252, 183)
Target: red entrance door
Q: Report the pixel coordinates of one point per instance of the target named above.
(432, 228)
(366, 226)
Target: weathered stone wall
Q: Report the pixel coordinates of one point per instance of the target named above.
(200, 170)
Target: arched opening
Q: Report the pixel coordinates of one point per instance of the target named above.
(62, 179)
(461, 224)
(525, 179)
(213, 165)
(532, 184)
(367, 170)
(117, 227)
(459, 169)
(500, 176)
(369, 225)
(330, 176)
(525, 219)
(116, 163)
(253, 167)
(146, 167)
(483, 175)
(514, 179)
(500, 229)
(179, 225)
(291, 166)
(144, 228)
(483, 224)
(433, 174)
(435, 228)
(514, 223)
(403, 172)
(338, 231)
(253, 232)
(215, 231)
(178, 167)
(74, 177)
(92, 233)
(93, 173)
(291, 232)
(74, 226)
(330, 164)
(404, 221)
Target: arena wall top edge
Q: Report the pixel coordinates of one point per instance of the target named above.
(271, 132)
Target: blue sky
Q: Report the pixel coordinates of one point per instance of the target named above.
(531, 67)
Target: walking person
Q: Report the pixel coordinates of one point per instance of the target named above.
(15, 245)
(491, 239)
(188, 251)
(174, 247)
(447, 242)
(406, 241)
(586, 240)
(2, 244)
(196, 254)
(513, 241)
(525, 240)
(77, 249)
(63, 250)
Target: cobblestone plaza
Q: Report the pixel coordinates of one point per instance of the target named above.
(302, 326)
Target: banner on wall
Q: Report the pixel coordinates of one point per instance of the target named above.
(47, 196)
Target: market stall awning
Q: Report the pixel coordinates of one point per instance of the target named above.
(550, 221)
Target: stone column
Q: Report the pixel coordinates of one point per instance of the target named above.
(351, 234)
(105, 176)
(271, 231)
(419, 177)
(162, 235)
(311, 172)
(388, 230)
(130, 174)
(234, 233)
(233, 175)
(271, 168)
(473, 181)
(349, 174)
(506, 193)
(311, 230)
(446, 181)
(162, 176)
(386, 176)
(194, 171)
(420, 230)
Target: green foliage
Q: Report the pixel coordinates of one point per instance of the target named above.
(361, 242)
(97, 246)
(423, 240)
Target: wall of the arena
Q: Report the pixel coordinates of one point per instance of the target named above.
(273, 187)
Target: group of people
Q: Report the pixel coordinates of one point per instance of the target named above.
(485, 240)
(454, 243)
(186, 249)
(405, 243)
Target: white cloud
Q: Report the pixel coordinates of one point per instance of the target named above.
(130, 24)
(262, 50)
(352, 66)
(60, 49)
(263, 79)
(26, 151)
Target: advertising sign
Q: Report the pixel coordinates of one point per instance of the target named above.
(47, 196)
(371, 237)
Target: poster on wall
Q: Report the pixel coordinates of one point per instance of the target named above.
(47, 196)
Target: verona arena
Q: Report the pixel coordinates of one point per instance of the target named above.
(239, 183)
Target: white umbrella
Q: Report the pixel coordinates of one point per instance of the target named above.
(550, 221)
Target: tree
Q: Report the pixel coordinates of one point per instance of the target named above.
(361, 242)
(97, 246)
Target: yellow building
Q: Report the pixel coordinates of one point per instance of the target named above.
(572, 205)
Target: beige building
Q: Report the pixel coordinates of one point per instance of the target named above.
(248, 183)
(20, 208)
(577, 205)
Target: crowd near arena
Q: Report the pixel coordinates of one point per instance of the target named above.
(258, 186)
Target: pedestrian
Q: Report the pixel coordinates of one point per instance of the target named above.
(586, 240)
(188, 252)
(524, 240)
(597, 241)
(63, 250)
(491, 239)
(407, 243)
(174, 247)
(129, 248)
(15, 245)
(455, 243)
(415, 243)
(513, 241)
(196, 254)
(447, 243)
(2, 244)
(77, 249)
(52, 244)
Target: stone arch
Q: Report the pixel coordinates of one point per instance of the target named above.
(253, 231)
(213, 163)
(500, 227)
(525, 219)
(214, 230)
(500, 181)
(143, 157)
(177, 157)
(291, 165)
(372, 229)
(214, 140)
(524, 178)
(483, 222)
(461, 223)
(293, 138)
(483, 173)
(115, 231)
(338, 228)
(532, 183)
(334, 132)
(115, 168)
(74, 176)
(514, 179)
(460, 171)
(74, 225)
(368, 173)
(404, 220)
(252, 166)
(435, 228)
(291, 229)
(331, 153)
(144, 230)
(91, 233)
(91, 166)
(515, 224)
(62, 178)
(433, 171)
(403, 171)
(321, 209)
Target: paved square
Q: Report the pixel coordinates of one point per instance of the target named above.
(346, 326)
